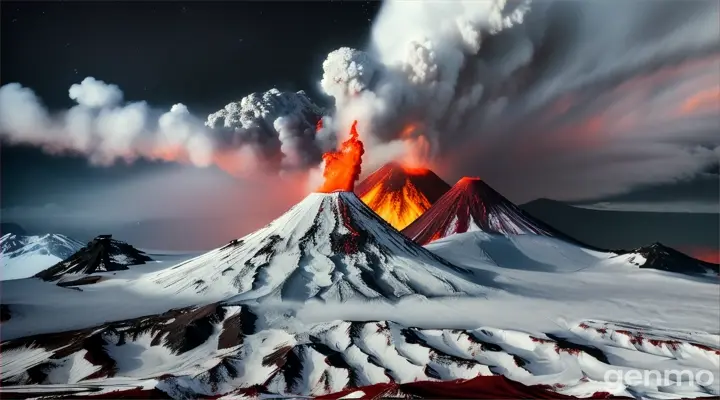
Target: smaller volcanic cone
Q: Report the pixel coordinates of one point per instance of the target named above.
(659, 256)
(472, 205)
(401, 194)
(342, 167)
(102, 254)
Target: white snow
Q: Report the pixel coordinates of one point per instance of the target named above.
(25, 265)
(23, 256)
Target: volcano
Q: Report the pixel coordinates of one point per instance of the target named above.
(102, 254)
(401, 194)
(330, 246)
(661, 257)
(472, 205)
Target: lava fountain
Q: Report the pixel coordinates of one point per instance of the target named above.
(342, 167)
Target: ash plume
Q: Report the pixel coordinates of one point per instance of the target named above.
(275, 123)
(563, 99)
(264, 131)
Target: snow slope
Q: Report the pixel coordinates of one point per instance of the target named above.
(22, 256)
(472, 205)
(528, 252)
(227, 350)
(328, 246)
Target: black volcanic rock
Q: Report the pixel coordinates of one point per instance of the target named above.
(658, 256)
(102, 254)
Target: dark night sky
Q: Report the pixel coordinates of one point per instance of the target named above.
(201, 54)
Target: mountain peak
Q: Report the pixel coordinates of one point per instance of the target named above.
(101, 254)
(400, 194)
(664, 258)
(329, 246)
(472, 205)
(466, 180)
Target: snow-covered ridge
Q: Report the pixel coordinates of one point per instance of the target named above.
(221, 350)
(102, 254)
(22, 256)
(329, 247)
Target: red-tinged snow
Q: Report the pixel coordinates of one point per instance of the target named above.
(472, 205)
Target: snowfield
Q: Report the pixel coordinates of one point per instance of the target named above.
(22, 256)
(330, 299)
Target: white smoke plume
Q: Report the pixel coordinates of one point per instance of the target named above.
(273, 130)
(558, 98)
(275, 123)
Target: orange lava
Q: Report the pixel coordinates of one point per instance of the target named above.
(400, 207)
(400, 194)
(342, 167)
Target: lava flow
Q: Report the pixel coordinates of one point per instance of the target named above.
(400, 194)
(342, 167)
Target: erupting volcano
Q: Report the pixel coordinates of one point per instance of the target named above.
(342, 167)
(401, 194)
(472, 205)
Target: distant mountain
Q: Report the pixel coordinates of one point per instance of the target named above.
(327, 247)
(658, 256)
(22, 256)
(102, 254)
(401, 194)
(630, 229)
(472, 205)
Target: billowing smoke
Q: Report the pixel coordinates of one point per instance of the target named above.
(555, 98)
(269, 131)
(103, 128)
(564, 99)
(275, 123)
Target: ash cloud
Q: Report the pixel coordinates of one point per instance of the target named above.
(275, 123)
(563, 99)
(271, 131)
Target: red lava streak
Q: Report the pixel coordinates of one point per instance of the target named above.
(342, 167)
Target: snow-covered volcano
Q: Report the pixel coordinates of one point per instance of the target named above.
(23, 256)
(401, 194)
(102, 254)
(472, 205)
(329, 246)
